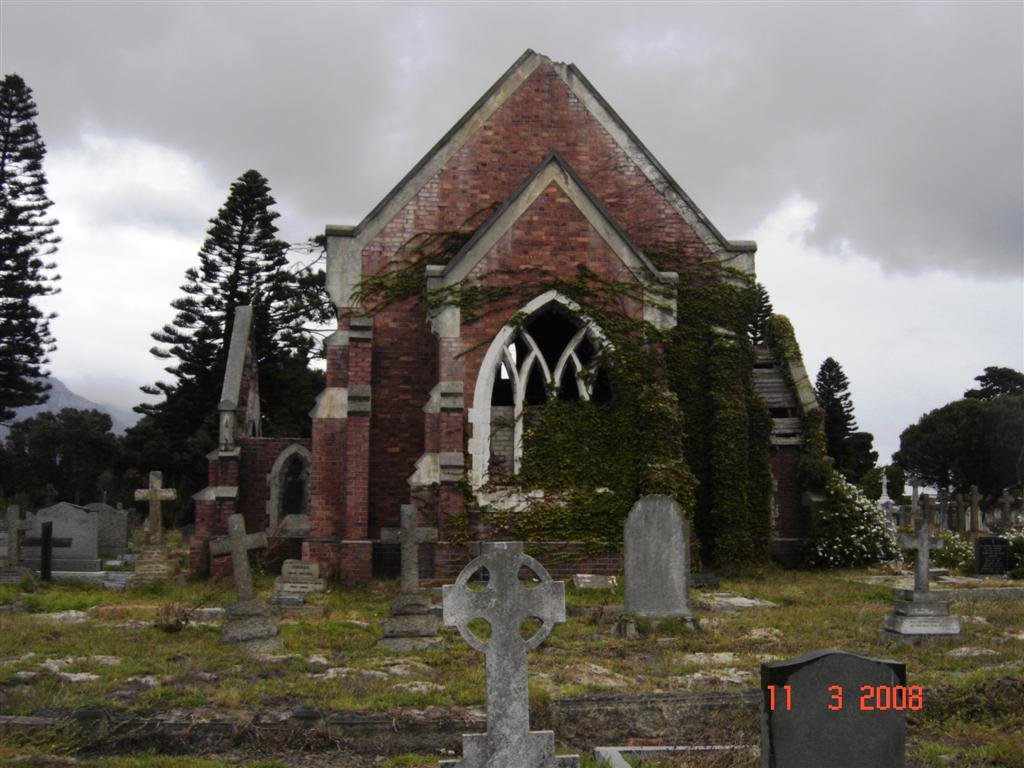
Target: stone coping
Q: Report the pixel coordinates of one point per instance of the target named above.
(615, 757)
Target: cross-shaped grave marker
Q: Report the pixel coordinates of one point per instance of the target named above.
(237, 544)
(410, 537)
(15, 525)
(1006, 517)
(975, 498)
(505, 603)
(924, 543)
(155, 494)
(46, 542)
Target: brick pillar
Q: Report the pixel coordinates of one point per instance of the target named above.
(356, 550)
(213, 505)
(326, 481)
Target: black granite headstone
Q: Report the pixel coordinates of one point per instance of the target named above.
(835, 709)
(991, 555)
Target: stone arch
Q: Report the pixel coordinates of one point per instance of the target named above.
(518, 357)
(279, 476)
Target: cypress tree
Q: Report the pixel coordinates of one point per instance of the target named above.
(27, 240)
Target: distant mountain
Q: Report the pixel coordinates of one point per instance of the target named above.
(61, 397)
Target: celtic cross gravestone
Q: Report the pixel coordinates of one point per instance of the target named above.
(155, 494)
(505, 603)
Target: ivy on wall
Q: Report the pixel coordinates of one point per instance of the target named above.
(684, 418)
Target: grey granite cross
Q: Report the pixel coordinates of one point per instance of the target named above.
(237, 544)
(924, 543)
(15, 525)
(975, 498)
(410, 537)
(505, 603)
(156, 494)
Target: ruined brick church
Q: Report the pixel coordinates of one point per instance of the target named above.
(422, 406)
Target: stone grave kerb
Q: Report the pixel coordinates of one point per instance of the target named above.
(237, 544)
(924, 543)
(410, 537)
(155, 494)
(15, 527)
(505, 603)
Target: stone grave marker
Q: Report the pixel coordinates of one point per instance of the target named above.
(919, 614)
(505, 603)
(13, 571)
(594, 581)
(46, 542)
(961, 517)
(928, 511)
(155, 494)
(248, 621)
(76, 524)
(944, 510)
(113, 529)
(835, 709)
(975, 499)
(413, 623)
(657, 560)
(298, 578)
(991, 555)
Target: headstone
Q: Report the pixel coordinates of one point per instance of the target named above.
(906, 516)
(248, 621)
(72, 522)
(13, 571)
(155, 494)
(413, 623)
(505, 603)
(991, 555)
(113, 529)
(919, 615)
(594, 581)
(961, 518)
(298, 578)
(835, 709)
(155, 563)
(928, 511)
(46, 543)
(944, 509)
(975, 499)
(657, 560)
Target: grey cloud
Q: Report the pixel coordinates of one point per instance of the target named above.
(902, 121)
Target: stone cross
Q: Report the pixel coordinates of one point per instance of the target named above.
(915, 491)
(237, 544)
(155, 494)
(15, 525)
(410, 537)
(505, 603)
(1004, 505)
(50, 495)
(961, 520)
(928, 511)
(975, 498)
(885, 489)
(924, 543)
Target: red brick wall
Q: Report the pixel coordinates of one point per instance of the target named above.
(792, 522)
(258, 457)
(561, 559)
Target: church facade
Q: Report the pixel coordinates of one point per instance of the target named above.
(425, 394)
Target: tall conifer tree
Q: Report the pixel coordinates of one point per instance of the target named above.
(27, 241)
(833, 391)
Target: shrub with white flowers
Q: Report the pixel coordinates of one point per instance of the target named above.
(852, 529)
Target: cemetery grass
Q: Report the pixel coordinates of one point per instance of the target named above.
(974, 687)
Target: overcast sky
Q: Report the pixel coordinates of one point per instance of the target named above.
(874, 151)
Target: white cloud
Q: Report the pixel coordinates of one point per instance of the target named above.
(133, 215)
(908, 344)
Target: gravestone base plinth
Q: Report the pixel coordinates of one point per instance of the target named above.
(536, 750)
(155, 563)
(919, 617)
(250, 625)
(412, 626)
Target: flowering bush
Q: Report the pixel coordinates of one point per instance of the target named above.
(957, 553)
(1016, 538)
(852, 529)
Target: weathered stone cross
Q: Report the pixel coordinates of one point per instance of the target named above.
(975, 498)
(924, 543)
(505, 603)
(155, 494)
(237, 544)
(410, 537)
(1004, 505)
(15, 525)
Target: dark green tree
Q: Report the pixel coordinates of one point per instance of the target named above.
(968, 442)
(70, 450)
(996, 381)
(27, 241)
(852, 450)
(757, 328)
